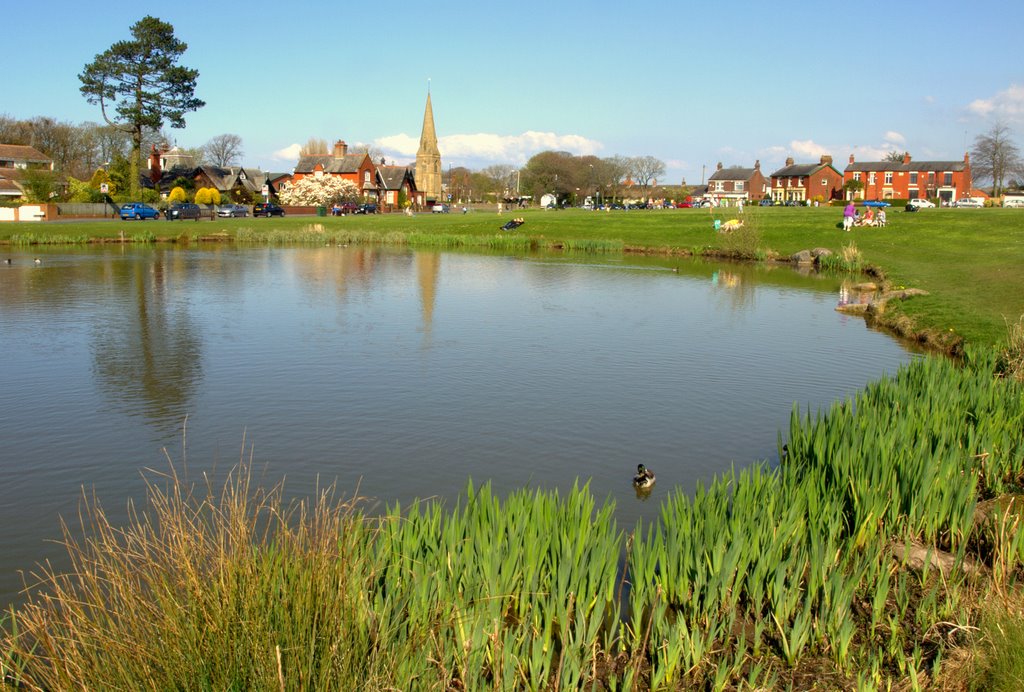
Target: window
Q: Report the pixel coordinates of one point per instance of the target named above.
(856, 176)
(871, 178)
(947, 178)
(366, 177)
(800, 181)
(739, 185)
(913, 178)
(718, 186)
(888, 177)
(931, 177)
(824, 182)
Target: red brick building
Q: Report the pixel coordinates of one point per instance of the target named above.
(735, 183)
(358, 168)
(947, 181)
(799, 182)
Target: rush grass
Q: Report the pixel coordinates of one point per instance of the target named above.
(798, 575)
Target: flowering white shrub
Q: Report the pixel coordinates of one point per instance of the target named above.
(311, 191)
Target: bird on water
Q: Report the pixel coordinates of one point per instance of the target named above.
(644, 478)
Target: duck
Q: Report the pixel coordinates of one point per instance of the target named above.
(38, 261)
(644, 478)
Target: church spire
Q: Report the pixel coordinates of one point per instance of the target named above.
(428, 158)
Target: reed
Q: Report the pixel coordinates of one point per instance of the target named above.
(762, 572)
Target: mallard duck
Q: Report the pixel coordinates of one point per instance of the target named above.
(644, 477)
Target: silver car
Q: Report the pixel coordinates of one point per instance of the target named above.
(232, 210)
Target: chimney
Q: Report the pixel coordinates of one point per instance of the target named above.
(154, 165)
(906, 158)
(340, 148)
(826, 160)
(757, 165)
(851, 158)
(719, 167)
(789, 161)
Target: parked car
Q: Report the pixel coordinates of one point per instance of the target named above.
(684, 205)
(766, 202)
(1013, 203)
(969, 203)
(183, 210)
(230, 211)
(440, 209)
(268, 210)
(343, 208)
(921, 204)
(366, 209)
(138, 211)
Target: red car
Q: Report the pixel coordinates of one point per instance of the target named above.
(684, 205)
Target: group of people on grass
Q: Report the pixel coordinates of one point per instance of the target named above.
(852, 217)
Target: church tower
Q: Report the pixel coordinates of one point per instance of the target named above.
(428, 158)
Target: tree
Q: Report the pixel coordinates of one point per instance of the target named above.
(852, 187)
(314, 191)
(177, 194)
(644, 170)
(141, 82)
(995, 157)
(895, 156)
(207, 195)
(314, 147)
(224, 150)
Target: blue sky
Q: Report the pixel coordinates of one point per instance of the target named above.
(690, 83)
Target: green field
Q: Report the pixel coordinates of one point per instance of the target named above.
(971, 261)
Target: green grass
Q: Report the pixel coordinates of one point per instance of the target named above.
(970, 261)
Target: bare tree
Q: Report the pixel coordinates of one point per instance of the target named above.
(995, 157)
(224, 150)
(314, 146)
(645, 170)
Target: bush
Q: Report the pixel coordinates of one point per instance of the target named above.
(177, 195)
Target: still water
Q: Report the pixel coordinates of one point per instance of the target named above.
(399, 374)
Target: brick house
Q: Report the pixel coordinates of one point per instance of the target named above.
(396, 183)
(799, 182)
(358, 168)
(735, 183)
(947, 181)
(15, 158)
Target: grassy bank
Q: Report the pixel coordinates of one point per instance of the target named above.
(863, 561)
(971, 262)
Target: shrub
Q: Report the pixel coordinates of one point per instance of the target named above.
(177, 195)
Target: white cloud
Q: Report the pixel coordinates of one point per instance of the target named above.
(1007, 105)
(894, 137)
(289, 153)
(808, 149)
(492, 148)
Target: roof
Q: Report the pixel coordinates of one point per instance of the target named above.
(733, 173)
(392, 177)
(802, 169)
(8, 188)
(349, 163)
(21, 152)
(913, 166)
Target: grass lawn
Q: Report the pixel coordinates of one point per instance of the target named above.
(971, 261)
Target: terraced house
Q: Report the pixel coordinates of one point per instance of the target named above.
(799, 182)
(947, 181)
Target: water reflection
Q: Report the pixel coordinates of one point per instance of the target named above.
(148, 357)
(429, 368)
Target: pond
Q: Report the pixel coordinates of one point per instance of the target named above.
(400, 373)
